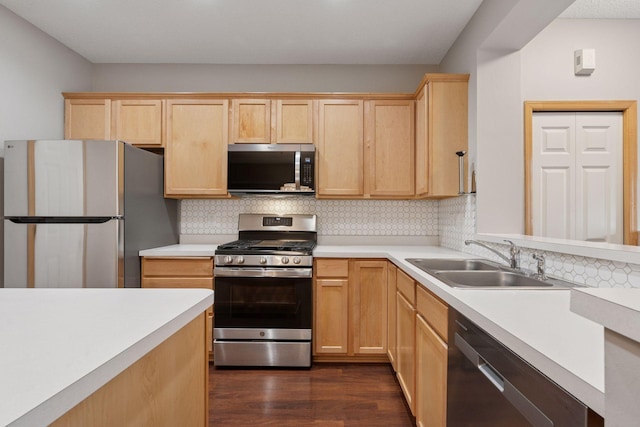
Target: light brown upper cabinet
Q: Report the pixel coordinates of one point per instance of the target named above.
(369, 146)
(389, 145)
(293, 121)
(365, 149)
(340, 148)
(196, 148)
(138, 122)
(441, 131)
(87, 118)
(251, 121)
(267, 121)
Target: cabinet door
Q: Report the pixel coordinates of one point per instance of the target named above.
(138, 122)
(294, 121)
(405, 336)
(441, 131)
(340, 148)
(431, 377)
(391, 314)
(181, 272)
(330, 334)
(368, 306)
(389, 137)
(196, 148)
(87, 119)
(447, 134)
(422, 146)
(251, 121)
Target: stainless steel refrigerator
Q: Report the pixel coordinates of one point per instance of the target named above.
(76, 213)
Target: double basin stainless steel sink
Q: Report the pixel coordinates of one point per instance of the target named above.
(483, 274)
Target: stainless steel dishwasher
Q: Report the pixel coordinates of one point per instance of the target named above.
(488, 385)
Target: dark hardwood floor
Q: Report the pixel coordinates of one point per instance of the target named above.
(326, 395)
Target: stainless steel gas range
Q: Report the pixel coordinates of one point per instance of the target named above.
(263, 308)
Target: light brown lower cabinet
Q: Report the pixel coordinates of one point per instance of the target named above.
(431, 376)
(181, 272)
(392, 289)
(405, 341)
(166, 387)
(421, 350)
(350, 309)
(331, 311)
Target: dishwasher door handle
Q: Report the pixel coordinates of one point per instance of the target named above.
(491, 375)
(518, 400)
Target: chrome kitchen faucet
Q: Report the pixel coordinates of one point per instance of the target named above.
(514, 252)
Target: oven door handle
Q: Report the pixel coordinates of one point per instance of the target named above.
(263, 272)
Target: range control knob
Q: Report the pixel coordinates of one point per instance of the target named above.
(228, 260)
(240, 259)
(296, 260)
(284, 260)
(263, 260)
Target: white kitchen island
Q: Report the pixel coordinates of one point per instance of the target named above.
(618, 310)
(103, 356)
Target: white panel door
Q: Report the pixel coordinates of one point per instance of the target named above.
(599, 177)
(577, 176)
(553, 184)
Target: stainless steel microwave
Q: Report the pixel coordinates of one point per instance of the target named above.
(271, 169)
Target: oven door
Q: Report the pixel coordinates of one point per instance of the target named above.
(263, 317)
(267, 301)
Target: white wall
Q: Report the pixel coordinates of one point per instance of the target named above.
(35, 69)
(258, 78)
(547, 62)
(489, 47)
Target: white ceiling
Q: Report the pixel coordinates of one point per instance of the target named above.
(603, 9)
(264, 31)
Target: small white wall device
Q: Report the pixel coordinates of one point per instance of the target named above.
(584, 62)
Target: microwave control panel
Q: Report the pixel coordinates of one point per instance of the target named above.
(306, 177)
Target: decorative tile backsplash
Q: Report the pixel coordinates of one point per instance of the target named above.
(335, 217)
(453, 220)
(457, 223)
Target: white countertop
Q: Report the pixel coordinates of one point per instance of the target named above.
(57, 346)
(615, 308)
(536, 324)
(180, 250)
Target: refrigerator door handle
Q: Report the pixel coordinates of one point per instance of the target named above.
(60, 220)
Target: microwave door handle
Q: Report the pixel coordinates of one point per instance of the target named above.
(297, 169)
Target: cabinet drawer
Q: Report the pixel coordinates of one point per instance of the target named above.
(433, 310)
(406, 286)
(332, 268)
(177, 282)
(177, 267)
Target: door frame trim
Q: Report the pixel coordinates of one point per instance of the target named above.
(629, 110)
